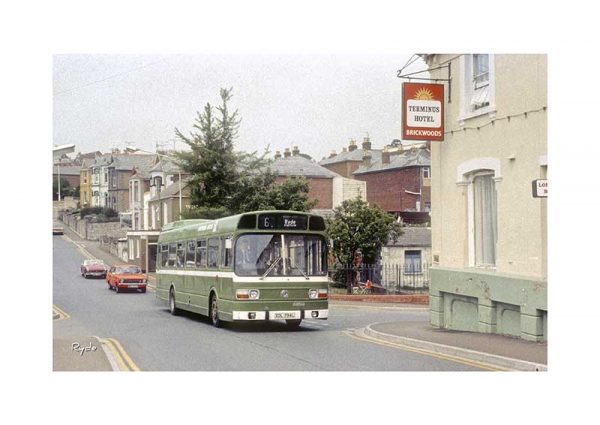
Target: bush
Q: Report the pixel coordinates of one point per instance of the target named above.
(100, 214)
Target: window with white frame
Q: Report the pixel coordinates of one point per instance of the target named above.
(484, 219)
(426, 172)
(478, 85)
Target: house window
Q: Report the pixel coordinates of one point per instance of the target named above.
(477, 90)
(425, 172)
(190, 257)
(412, 262)
(485, 231)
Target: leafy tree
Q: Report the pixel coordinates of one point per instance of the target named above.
(356, 226)
(65, 188)
(224, 181)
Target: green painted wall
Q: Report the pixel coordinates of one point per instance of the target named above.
(489, 302)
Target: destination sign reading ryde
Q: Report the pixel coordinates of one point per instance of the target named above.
(282, 222)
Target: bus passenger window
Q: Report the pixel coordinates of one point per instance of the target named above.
(172, 254)
(226, 250)
(213, 252)
(164, 255)
(190, 257)
(180, 254)
(201, 254)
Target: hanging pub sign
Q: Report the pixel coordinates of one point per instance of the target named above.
(423, 111)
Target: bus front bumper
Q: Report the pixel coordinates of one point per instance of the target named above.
(281, 315)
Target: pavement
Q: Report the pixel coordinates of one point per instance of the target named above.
(490, 351)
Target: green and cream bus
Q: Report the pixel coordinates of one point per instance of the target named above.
(257, 266)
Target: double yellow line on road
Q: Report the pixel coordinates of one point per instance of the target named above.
(117, 354)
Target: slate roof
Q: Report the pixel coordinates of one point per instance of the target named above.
(408, 158)
(166, 165)
(297, 165)
(129, 162)
(355, 155)
(413, 236)
(172, 191)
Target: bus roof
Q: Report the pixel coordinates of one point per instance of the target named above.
(185, 229)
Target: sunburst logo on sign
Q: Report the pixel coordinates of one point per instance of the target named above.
(423, 94)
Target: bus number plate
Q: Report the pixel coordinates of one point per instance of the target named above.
(285, 314)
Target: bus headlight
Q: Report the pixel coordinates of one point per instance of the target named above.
(313, 294)
(247, 294)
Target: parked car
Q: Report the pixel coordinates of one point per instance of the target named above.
(93, 268)
(126, 276)
(58, 230)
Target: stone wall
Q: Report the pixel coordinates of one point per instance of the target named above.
(93, 231)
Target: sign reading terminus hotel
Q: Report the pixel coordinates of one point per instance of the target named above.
(423, 111)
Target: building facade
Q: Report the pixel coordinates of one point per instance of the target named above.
(399, 181)
(489, 242)
(328, 188)
(350, 159)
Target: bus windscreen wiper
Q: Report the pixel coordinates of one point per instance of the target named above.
(271, 267)
(300, 270)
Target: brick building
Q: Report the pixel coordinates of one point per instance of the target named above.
(119, 172)
(349, 160)
(328, 188)
(398, 181)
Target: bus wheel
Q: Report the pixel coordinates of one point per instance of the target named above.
(172, 308)
(214, 311)
(293, 323)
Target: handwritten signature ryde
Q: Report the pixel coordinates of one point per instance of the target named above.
(76, 347)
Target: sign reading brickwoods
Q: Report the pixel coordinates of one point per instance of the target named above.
(423, 111)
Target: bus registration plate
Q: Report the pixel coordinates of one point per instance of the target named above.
(285, 314)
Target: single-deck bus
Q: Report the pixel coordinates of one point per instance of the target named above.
(257, 266)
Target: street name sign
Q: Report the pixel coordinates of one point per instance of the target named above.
(539, 188)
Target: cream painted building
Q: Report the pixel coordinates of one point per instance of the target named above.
(489, 234)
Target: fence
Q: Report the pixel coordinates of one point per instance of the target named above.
(387, 278)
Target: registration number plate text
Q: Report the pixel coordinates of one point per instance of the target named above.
(285, 314)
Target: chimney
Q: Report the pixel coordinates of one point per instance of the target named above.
(295, 151)
(277, 154)
(366, 158)
(366, 145)
(287, 153)
(352, 145)
(385, 156)
(332, 154)
(344, 150)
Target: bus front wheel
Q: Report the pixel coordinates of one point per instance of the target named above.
(214, 311)
(172, 307)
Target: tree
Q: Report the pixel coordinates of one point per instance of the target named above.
(357, 226)
(65, 188)
(224, 181)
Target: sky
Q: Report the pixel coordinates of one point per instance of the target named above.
(315, 102)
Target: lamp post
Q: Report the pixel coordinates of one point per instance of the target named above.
(57, 152)
(171, 158)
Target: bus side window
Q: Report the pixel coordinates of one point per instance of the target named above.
(190, 257)
(213, 252)
(180, 254)
(201, 253)
(172, 254)
(226, 251)
(164, 255)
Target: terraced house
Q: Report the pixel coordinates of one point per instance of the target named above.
(489, 229)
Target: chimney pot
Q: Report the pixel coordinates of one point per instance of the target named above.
(287, 153)
(295, 151)
(352, 145)
(366, 145)
(277, 154)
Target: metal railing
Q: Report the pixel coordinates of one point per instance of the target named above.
(390, 278)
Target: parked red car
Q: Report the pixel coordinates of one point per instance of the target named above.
(93, 268)
(126, 277)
